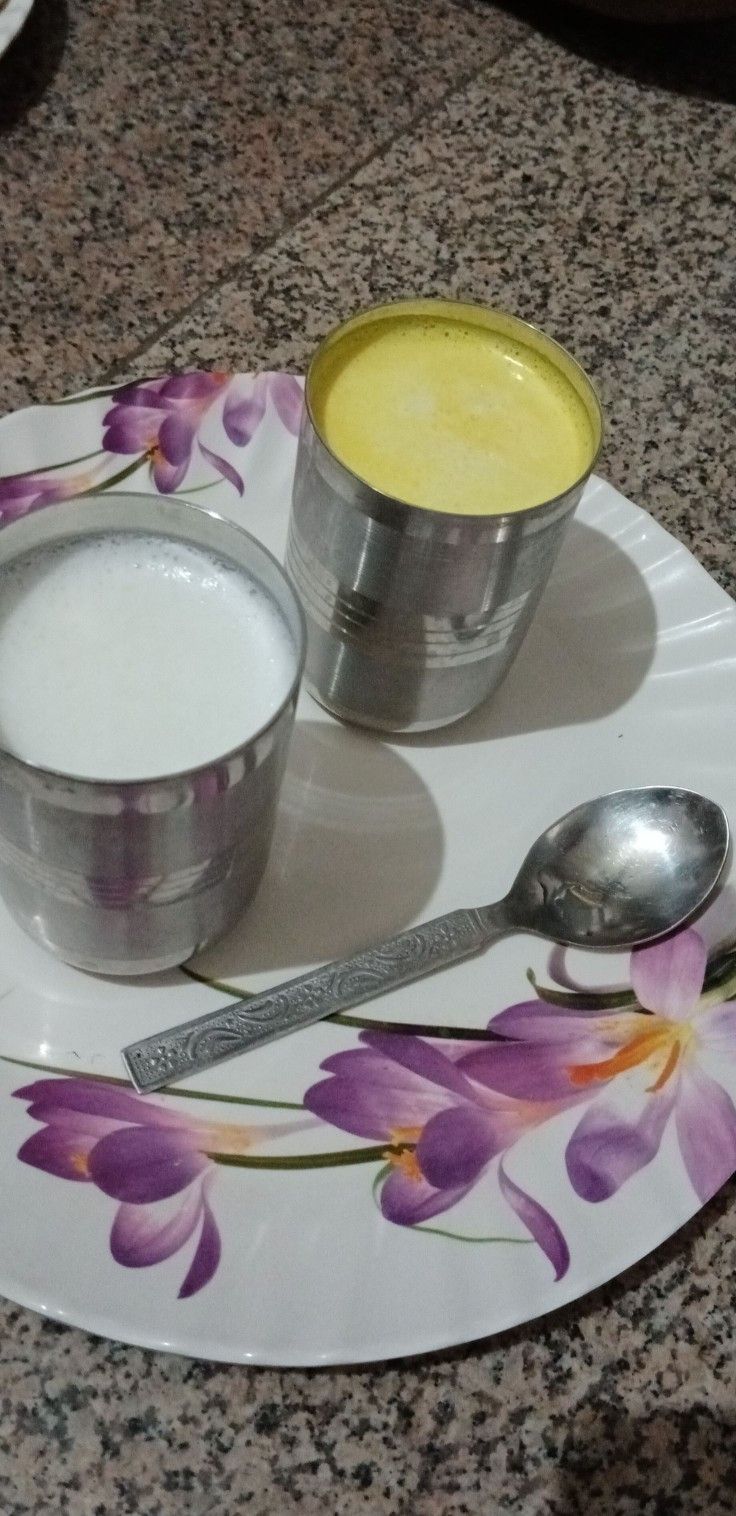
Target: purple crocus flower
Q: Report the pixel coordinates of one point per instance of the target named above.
(443, 1127)
(246, 401)
(21, 493)
(152, 1160)
(287, 398)
(160, 418)
(636, 1072)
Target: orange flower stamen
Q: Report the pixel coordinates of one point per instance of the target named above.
(665, 1040)
(406, 1160)
(402, 1157)
(628, 1057)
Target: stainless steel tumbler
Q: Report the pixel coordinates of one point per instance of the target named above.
(413, 615)
(133, 877)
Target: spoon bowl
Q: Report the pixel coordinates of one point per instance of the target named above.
(620, 870)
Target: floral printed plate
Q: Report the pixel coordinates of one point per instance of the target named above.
(466, 1153)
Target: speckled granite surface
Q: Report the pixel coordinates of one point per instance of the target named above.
(569, 180)
(624, 1405)
(171, 140)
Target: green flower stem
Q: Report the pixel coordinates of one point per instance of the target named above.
(720, 985)
(582, 1000)
(111, 389)
(124, 473)
(378, 1181)
(237, 1160)
(364, 1023)
(216, 984)
(418, 1028)
(49, 1068)
(51, 468)
(439, 1231)
(721, 992)
(720, 976)
(722, 957)
(306, 1160)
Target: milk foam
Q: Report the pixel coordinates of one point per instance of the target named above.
(129, 656)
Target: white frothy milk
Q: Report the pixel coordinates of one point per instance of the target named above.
(124, 657)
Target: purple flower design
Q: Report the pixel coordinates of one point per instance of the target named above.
(636, 1072)
(245, 405)
(153, 1161)
(158, 421)
(160, 418)
(444, 1127)
(21, 493)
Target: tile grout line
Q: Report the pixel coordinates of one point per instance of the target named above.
(290, 225)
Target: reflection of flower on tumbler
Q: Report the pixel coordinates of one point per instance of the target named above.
(122, 883)
(157, 424)
(438, 1114)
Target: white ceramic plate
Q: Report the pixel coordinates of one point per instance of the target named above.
(421, 1190)
(12, 16)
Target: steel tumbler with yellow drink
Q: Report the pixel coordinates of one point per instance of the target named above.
(443, 450)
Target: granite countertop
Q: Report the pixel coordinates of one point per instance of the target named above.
(216, 185)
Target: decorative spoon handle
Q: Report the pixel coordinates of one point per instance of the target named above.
(199, 1044)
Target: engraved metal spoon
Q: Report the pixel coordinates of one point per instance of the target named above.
(613, 873)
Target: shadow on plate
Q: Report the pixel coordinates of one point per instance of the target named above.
(32, 59)
(356, 855)
(587, 651)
